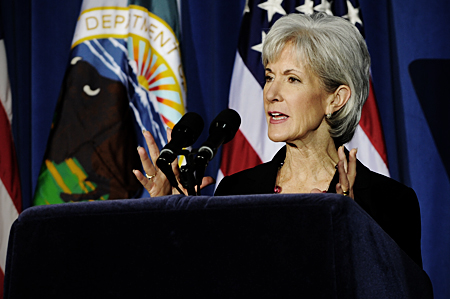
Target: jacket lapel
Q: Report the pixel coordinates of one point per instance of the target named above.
(262, 180)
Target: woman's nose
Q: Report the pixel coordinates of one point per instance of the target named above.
(272, 91)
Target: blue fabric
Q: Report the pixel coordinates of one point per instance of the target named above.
(38, 36)
(402, 33)
(209, 44)
(257, 246)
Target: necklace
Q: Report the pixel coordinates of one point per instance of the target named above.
(277, 188)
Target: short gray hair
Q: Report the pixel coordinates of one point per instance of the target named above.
(336, 52)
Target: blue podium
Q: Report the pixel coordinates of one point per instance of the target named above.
(298, 245)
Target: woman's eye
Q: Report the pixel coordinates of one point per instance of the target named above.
(292, 79)
(268, 78)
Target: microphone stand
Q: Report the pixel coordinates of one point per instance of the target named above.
(200, 167)
(191, 173)
(187, 177)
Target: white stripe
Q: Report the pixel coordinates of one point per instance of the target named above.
(8, 214)
(367, 153)
(5, 90)
(219, 177)
(246, 97)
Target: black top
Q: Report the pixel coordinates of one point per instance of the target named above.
(392, 205)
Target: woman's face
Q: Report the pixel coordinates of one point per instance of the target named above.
(294, 100)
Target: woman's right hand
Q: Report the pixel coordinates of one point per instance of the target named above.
(156, 182)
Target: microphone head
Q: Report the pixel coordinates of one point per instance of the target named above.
(227, 121)
(188, 129)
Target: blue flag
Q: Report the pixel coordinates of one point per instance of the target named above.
(125, 75)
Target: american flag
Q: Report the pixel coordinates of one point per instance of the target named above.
(251, 146)
(10, 196)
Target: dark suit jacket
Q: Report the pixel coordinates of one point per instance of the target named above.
(391, 204)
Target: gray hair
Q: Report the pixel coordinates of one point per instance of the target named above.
(335, 51)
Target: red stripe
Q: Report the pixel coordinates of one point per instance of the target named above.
(2, 278)
(238, 155)
(371, 125)
(9, 173)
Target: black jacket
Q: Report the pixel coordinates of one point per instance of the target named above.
(391, 204)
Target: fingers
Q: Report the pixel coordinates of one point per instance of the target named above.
(169, 134)
(146, 162)
(344, 183)
(157, 185)
(206, 181)
(176, 169)
(146, 183)
(342, 156)
(351, 172)
(347, 172)
(152, 146)
(339, 189)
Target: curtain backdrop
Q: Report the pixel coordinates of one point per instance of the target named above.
(410, 49)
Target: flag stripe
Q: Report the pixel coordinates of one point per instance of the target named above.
(240, 150)
(9, 174)
(370, 123)
(8, 215)
(246, 97)
(367, 153)
(5, 89)
(10, 198)
(2, 278)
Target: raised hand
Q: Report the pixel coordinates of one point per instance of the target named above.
(155, 181)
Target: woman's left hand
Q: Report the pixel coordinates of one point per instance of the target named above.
(347, 172)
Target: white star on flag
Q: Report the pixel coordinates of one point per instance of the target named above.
(353, 14)
(246, 7)
(260, 46)
(324, 6)
(272, 7)
(307, 8)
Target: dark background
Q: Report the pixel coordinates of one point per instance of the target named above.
(410, 48)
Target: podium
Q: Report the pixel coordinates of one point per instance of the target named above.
(258, 246)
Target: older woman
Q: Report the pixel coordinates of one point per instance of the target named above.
(317, 80)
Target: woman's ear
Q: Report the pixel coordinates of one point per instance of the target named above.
(339, 98)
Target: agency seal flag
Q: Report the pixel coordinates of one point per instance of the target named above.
(125, 75)
(251, 146)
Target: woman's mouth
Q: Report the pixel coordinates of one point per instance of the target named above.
(277, 116)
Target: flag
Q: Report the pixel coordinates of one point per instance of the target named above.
(125, 76)
(10, 196)
(251, 146)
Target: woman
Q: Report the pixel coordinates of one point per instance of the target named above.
(317, 80)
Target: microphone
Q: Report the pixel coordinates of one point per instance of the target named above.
(222, 129)
(184, 134)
